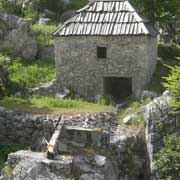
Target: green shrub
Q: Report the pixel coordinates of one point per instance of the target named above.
(25, 75)
(8, 170)
(44, 34)
(169, 51)
(30, 14)
(10, 7)
(170, 55)
(167, 162)
(105, 100)
(172, 83)
(31, 75)
(7, 149)
(76, 4)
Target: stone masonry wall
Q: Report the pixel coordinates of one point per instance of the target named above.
(31, 129)
(79, 69)
(159, 123)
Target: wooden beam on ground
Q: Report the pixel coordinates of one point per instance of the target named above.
(51, 152)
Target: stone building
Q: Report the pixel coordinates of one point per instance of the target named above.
(108, 48)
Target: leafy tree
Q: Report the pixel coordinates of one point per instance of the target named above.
(167, 162)
(173, 84)
(159, 10)
(76, 4)
(11, 7)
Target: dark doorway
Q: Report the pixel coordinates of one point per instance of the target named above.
(118, 87)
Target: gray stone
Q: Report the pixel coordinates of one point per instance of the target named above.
(61, 95)
(47, 14)
(17, 36)
(46, 53)
(148, 95)
(46, 89)
(159, 123)
(100, 160)
(95, 176)
(26, 3)
(81, 165)
(30, 166)
(129, 118)
(44, 21)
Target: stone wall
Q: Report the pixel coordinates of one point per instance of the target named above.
(32, 129)
(159, 123)
(79, 69)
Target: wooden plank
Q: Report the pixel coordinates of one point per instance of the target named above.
(82, 129)
(51, 152)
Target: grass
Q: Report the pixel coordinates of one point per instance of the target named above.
(26, 74)
(31, 74)
(50, 105)
(133, 107)
(44, 34)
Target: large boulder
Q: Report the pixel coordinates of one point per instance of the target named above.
(29, 165)
(16, 36)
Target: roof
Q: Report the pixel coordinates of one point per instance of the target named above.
(107, 17)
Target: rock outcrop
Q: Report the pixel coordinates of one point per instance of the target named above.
(29, 165)
(159, 123)
(16, 36)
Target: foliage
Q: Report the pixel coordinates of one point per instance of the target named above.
(76, 4)
(162, 11)
(167, 162)
(49, 104)
(56, 6)
(172, 83)
(169, 55)
(24, 74)
(105, 100)
(133, 107)
(44, 34)
(169, 52)
(7, 149)
(29, 13)
(11, 7)
(8, 170)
